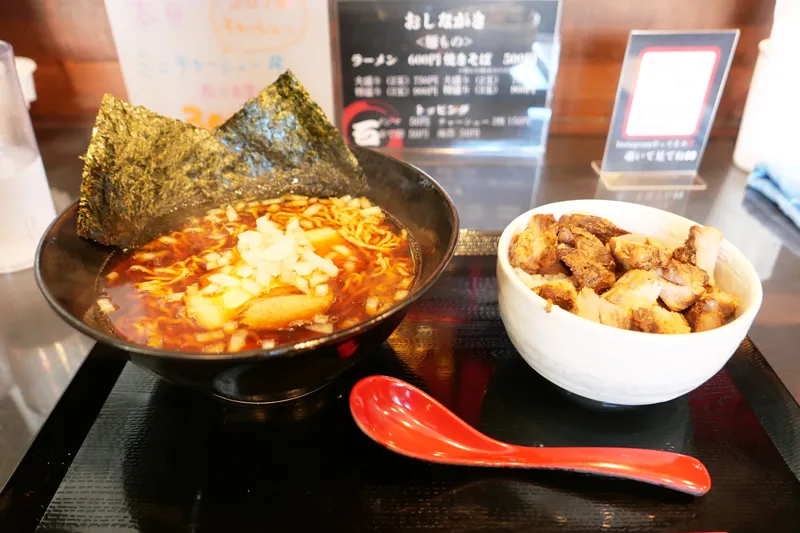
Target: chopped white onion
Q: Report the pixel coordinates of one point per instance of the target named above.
(230, 327)
(224, 280)
(289, 263)
(372, 305)
(283, 248)
(302, 284)
(105, 305)
(250, 257)
(317, 278)
(325, 265)
(267, 344)
(304, 268)
(272, 268)
(211, 288)
(249, 240)
(263, 277)
(268, 228)
(326, 328)
(175, 297)
(231, 214)
(237, 341)
(321, 290)
(399, 295)
(244, 271)
(252, 287)
(293, 225)
(342, 250)
(287, 277)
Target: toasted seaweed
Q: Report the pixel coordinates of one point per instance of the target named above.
(142, 171)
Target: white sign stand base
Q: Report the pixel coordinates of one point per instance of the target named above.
(649, 181)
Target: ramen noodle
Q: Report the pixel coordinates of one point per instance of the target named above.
(260, 274)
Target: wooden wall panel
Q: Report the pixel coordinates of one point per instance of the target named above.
(594, 36)
(72, 42)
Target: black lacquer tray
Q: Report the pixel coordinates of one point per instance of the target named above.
(161, 458)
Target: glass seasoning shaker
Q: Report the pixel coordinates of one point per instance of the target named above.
(26, 206)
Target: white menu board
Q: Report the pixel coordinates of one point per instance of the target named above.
(200, 60)
(669, 88)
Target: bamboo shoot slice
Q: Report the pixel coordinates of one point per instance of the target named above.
(278, 312)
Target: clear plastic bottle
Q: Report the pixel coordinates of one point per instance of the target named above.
(26, 206)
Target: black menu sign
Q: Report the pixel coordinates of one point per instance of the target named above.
(447, 73)
(669, 89)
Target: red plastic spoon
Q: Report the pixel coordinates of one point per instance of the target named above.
(406, 420)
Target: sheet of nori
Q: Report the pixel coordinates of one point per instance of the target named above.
(142, 170)
(284, 134)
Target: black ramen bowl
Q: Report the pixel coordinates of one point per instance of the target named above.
(68, 267)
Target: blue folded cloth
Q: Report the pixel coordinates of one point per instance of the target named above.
(782, 193)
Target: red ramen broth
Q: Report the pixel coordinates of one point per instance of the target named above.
(260, 274)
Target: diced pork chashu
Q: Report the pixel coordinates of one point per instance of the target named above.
(592, 307)
(587, 244)
(650, 241)
(682, 285)
(534, 249)
(598, 226)
(534, 280)
(589, 260)
(701, 249)
(560, 292)
(713, 309)
(556, 269)
(635, 289)
(656, 319)
(633, 255)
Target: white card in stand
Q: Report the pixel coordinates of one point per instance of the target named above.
(669, 89)
(200, 60)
